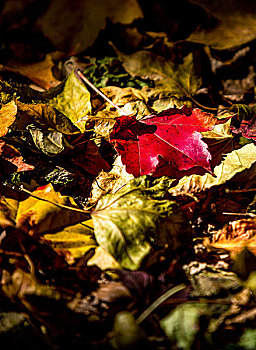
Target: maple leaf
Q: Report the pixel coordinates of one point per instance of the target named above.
(172, 136)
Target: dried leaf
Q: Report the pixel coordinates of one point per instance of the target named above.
(8, 113)
(230, 25)
(44, 116)
(180, 80)
(40, 73)
(91, 160)
(244, 122)
(69, 34)
(13, 156)
(236, 235)
(233, 163)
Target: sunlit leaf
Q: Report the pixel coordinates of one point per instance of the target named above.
(173, 136)
(73, 101)
(133, 220)
(232, 164)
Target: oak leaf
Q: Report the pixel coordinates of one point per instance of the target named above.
(172, 136)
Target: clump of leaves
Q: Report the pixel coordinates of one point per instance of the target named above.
(108, 71)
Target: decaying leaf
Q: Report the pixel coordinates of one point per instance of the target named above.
(44, 117)
(173, 136)
(180, 80)
(8, 113)
(229, 24)
(244, 122)
(40, 73)
(129, 223)
(11, 155)
(236, 235)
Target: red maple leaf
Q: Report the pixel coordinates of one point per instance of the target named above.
(172, 137)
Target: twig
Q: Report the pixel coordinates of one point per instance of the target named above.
(100, 93)
(241, 214)
(159, 301)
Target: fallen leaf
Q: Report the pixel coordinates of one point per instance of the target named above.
(75, 33)
(8, 113)
(244, 122)
(74, 101)
(43, 215)
(182, 325)
(45, 117)
(129, 223)
(13, 156)
(236, 235)
(229, 24)
(173, 135)
(180, 80)
(110, 181)
(40, 73)
(50, 143)
(232, 164)
(90, 159)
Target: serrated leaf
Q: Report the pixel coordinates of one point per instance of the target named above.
(174, 138)
(129, 223)
(181, 80)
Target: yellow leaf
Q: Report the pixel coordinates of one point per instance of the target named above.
(7, 116)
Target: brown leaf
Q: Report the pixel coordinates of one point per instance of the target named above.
(7, 116)
(236, 235)
(12, 155)
(40, 73)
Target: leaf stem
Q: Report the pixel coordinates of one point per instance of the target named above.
(159, 301)
(84, 79)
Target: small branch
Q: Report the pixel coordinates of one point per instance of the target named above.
(85, 80)
(251, 215)
(159, 301)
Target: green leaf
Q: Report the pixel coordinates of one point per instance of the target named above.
(248, 339)
(182, 325)
(181, 80)
(74, 101)
(137, 218)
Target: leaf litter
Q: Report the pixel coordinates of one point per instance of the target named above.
(127, 204)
